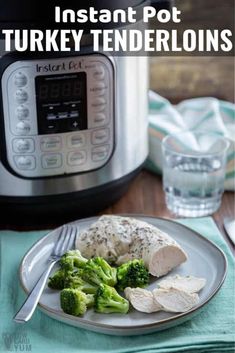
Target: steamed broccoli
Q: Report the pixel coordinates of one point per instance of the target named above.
(132, 274)
(71, 260)
(107, 300)
(97, 271)
(56, 281)
(75, 302)
(74, 280)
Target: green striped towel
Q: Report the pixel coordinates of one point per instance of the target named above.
(198, 114)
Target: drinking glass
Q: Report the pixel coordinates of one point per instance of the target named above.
(194, 166)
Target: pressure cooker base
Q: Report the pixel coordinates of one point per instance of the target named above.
(50, 211)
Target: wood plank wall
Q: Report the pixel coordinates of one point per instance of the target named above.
(178, 78)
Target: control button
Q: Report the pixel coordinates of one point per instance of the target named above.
(98, 89)
(99, 72)
(99, 119)
(100, 136)
(23, 145)
(73, 104)
(98, 104)
(77, 140)
(74, 114)
(22, 128)
(76, 158)
(50, 144)
(100, 153)
(25, 162)
(74, 124)
(51, 127)
(63, 115)
(22, 112)
(51, 116)
(51, 161)
(20, 79)
(21, 96)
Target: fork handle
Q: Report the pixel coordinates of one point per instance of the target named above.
(27, 309)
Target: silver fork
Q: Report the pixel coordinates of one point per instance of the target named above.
(65, 242)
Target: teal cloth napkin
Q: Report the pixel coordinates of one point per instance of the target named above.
(206, 114)
(210, 331)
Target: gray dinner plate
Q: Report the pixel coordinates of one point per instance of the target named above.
(205, 260)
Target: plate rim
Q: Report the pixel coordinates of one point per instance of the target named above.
(160, 323)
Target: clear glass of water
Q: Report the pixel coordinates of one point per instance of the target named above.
(194, 166)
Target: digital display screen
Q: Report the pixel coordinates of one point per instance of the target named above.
(61, 102)
(67, 88)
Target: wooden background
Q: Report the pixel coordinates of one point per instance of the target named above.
(177, 78)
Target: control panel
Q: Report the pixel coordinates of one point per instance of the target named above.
(58, 115)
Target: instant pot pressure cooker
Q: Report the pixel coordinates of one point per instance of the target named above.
(73, 125)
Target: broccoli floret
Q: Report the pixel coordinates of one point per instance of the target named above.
(75, 302)
(107, 300)
(57, 280)
(132, 274)
(74, 280)
(71, 260)
(97, 271)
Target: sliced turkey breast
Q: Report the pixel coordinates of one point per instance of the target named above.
(188, 284)
(170, 300)
(119, 239)
(142, 300)
(175, 300)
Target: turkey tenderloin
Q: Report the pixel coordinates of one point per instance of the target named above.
(120, 239)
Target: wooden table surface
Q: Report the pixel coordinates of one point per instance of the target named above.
(146, 196)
